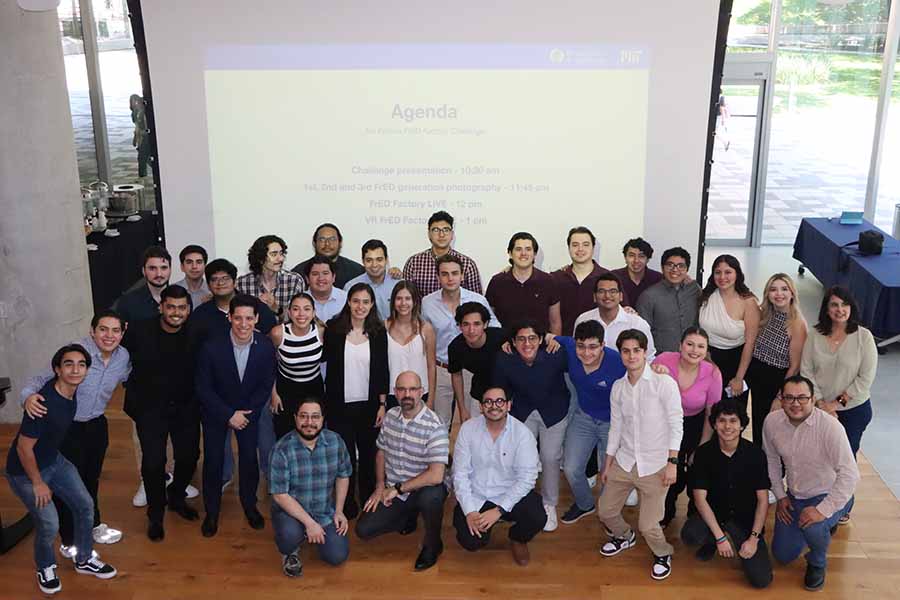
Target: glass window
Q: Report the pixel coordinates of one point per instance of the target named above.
(748, 30)
(826, 89)
(889, 178)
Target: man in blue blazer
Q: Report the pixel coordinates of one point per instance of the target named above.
(234, 379)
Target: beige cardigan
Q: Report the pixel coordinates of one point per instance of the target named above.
(850, 369)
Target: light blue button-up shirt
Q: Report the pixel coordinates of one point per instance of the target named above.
(98, 386)
(382, 291)
(501, 471)
(241, 355)
(444, 322)
(332, 306)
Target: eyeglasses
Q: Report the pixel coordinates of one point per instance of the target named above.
(224, 279)
(441, 230)
(521, 339)
(607, 292)
(276, 253)
(406, 390)
(327, 240)
(489, 402)
(802, 400)
(676, 266)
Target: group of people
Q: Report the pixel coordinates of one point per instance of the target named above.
(340, 382)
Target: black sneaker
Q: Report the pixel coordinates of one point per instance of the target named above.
(291, 565)
(706, 552)
(48, 580)
(616, 545)
(662, 567)
(96, 567)
(574, 513)
(814, 579)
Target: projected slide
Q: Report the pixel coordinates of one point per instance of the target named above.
(376, 138)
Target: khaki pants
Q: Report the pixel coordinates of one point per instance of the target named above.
(652, 495)
(443, 395)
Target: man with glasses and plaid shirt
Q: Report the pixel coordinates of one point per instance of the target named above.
(267, 279)
(309, 475)
(672, 305)
(421, 268)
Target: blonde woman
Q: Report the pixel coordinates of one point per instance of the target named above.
(777, 349)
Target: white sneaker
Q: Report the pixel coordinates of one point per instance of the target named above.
(190, 491)
(632, 499)
(592, 481)
(71, 552)
(772, 498)
(103, 534)
(552, 521)
(140, 497)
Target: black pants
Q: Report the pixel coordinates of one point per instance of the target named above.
(154, 428)
(356, 426)
(214, 459)
(85, 447)
(765, 383)
(292, 393)
(728, 362)
(693, 431)
(429, 501)
(757, 568)
(528, 518)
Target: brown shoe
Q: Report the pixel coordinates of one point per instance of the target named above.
(520, 553)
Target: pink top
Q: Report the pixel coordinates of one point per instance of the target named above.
(706, 389)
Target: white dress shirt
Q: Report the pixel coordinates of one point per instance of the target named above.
(444, 322)
(501, 471)
(622, 322)
(646, 422)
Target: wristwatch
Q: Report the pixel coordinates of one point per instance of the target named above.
(397, 487)
(755, 534)
(672, 460)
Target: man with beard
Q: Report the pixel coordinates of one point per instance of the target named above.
(303, 471)
(160, 400)
(268, 280)
(413, 452)
(327, 241)
(141, 303)
(495, 467)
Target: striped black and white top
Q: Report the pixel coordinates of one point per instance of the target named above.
(299, 355)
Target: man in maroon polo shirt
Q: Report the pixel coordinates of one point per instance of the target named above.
(524, 291)
(636, 276)
(575, 282)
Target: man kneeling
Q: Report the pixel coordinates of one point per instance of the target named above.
(303, 471)
(495, 466)
(731, 493)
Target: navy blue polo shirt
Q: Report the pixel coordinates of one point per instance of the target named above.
(48, 430)
(540, 387)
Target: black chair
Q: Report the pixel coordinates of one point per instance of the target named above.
(12, 535)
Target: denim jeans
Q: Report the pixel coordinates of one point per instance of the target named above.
(64, 482)
(790, 540)
(583, 433)
(855, 422)
(290, 534)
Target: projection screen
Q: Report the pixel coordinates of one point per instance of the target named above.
(275, 116)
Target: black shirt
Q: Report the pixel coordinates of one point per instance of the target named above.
(731, 482)
(137, 304)
(48, 430)
(479, 361)
(162, 368)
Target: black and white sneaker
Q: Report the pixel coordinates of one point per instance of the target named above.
(662, 566)
(96, 567)
(616, 545)
(574, 514)
(291, 565)
(48, 581)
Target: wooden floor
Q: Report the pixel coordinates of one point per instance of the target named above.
(241, 563)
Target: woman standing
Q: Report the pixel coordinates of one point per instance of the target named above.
(356, 385)
(299, 346)
(411, 340)
(840, 358)
(778, 347)
(700, 383)
(730, 314)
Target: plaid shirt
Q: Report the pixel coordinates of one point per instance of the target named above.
(422, 270)
(287, 284)
(308, 476)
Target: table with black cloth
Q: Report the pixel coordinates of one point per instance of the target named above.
(116, 263)
(873, 280)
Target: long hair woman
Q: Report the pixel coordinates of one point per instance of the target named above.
(411, 340)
